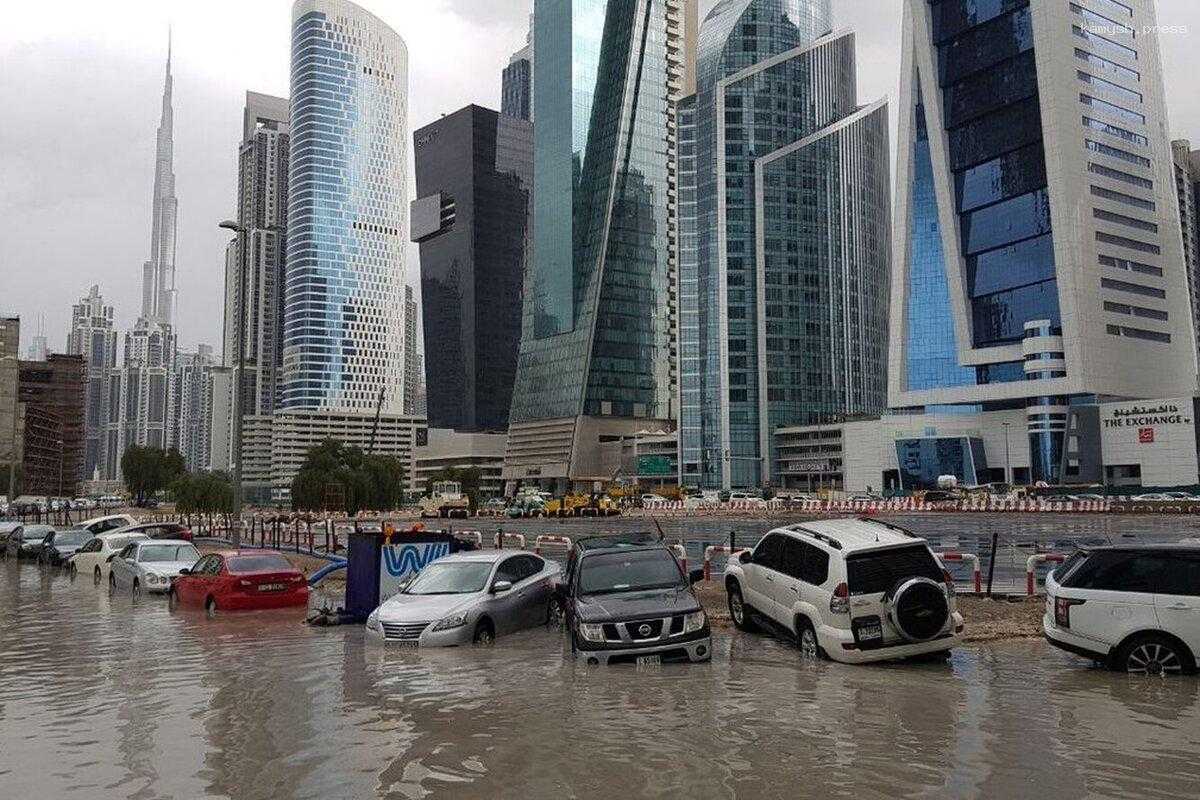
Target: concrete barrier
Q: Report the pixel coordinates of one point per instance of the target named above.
(970, 558)
(551, 541)
(517, 539)
(712, 550)
(1031, 565)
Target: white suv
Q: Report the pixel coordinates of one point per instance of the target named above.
(1134, 609)
(853, 590)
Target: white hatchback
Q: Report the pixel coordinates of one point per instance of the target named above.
(1133, 609)
(853, 590)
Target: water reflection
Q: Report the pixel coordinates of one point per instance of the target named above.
(105, 697)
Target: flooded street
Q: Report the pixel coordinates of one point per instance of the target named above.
(108, 698)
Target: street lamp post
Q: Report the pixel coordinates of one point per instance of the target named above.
(239, 367)
(1007, 461)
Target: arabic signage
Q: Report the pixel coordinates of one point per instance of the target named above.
(398, 562)
(655, 465)
(1145, 417)
(815, 465)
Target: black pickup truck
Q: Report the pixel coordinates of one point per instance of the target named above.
(627, 600)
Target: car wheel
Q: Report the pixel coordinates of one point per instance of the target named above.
(807, 638)
(96, 577)
(136, 591)
(738, 610)
(210, 606)
(112, 584)
(1153, 654)
(172, 600)
(73, 571)
(484, 635)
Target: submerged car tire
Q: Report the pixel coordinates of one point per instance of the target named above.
(554, 614)
(738, 610)
(172, 599)
(112, 584)
(136, 590)
(806, 639)
(210, 606)
(1153, 654)
(96, 576)
(73, 570)
(485, 635)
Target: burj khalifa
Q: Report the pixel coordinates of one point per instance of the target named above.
(158, 273)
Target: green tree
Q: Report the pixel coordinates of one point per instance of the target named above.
(337, 477)
(149, 470)
(203, 493)
(469, 478)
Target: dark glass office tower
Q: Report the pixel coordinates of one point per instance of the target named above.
(471, 218)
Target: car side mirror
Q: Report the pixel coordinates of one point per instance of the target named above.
(112, 558)
(746, 557)
(501, 586)
(695, 576)
(185, 571)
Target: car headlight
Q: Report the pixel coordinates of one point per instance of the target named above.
(373, 621)
(591, 631)
(693, 622)
(452, 621)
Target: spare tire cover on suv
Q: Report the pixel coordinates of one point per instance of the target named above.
(919, 609)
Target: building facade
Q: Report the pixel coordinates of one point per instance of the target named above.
(94, 336)
(785, 218)
(10, 406)
(414, 362)
(52, 393)
(141, 395)
(448, 449)
(1187, 190)
(258, 253)
(597, 358)
(516, 81)
(192, 386)
(1038, 262)
(474, 175)
(343, 340)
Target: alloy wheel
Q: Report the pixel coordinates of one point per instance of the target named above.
(737, 608)
(484, 635)
(96, 578)
(1153, 658)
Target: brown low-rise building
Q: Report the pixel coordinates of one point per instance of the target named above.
(53, 392)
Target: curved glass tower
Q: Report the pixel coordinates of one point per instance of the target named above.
(785, 219)
(343, 337)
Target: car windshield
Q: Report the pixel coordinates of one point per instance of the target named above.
(37, 532)
(629, 572)
(455, 577)
(72, 537)
(168, 552)
(241, 565)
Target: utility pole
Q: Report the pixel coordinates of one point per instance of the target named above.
(1007, 460)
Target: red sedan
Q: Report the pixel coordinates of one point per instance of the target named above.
(240, 580)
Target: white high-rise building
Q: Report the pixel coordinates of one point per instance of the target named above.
(344, 325)
(193, 402)
(158, 273)
(1037, 255)
(141, 396)
(94, 337)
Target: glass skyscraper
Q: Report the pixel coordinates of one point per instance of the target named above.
(1038, 259)
(596, 359)
(347, 222)
(784, 251)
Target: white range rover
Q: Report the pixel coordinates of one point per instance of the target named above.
(853, 590)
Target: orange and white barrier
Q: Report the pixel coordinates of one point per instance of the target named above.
(1031, 564)
(551, 541)
(712, 550)
(516, 540)
(970, 558)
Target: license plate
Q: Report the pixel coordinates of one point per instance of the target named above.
(272, 587)
(649, 661)
(870, 632)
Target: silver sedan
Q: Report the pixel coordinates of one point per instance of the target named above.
(468, 598)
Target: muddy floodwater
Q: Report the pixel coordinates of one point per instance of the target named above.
(107, 698)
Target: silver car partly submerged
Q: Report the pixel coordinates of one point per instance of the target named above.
(469, 598)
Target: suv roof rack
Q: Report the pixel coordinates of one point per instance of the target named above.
(890, 526)
(829, 540)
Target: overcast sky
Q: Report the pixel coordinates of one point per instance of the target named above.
(80, 88)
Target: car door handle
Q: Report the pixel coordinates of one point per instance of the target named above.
(769, 579)
(794, 590)
(1180, 607)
